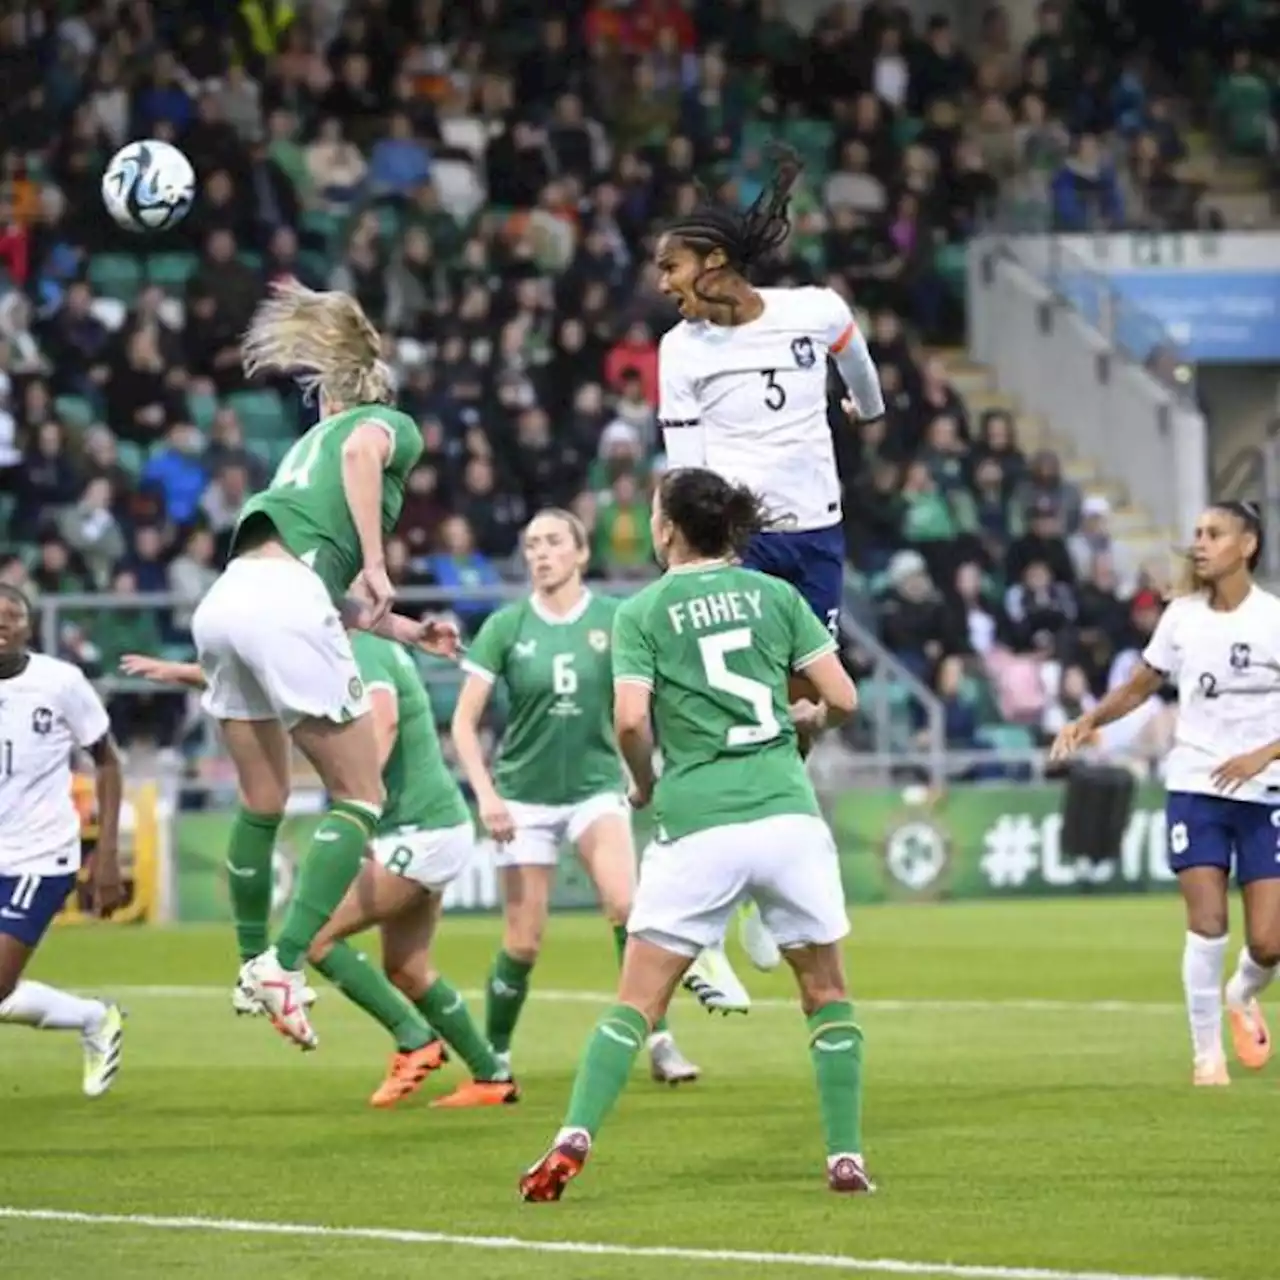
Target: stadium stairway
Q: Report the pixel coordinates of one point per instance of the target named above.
(1131, 525)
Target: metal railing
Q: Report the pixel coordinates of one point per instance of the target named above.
(54, 611)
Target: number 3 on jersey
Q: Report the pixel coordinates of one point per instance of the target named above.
(775, 394)
(764, 724)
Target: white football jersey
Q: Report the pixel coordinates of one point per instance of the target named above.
(46, 712)
(1227, 670)
(749, 401)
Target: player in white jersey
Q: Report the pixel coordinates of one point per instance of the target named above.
(743, 393)
(1219, 642)
(48, 710)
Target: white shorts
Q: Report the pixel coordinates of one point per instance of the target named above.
(273, 647)
(432, 858)
(788, 864)
(542, 829)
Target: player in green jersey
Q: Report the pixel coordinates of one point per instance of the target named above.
(705, 655)
(558, 778)
(424, 840)
(270, 636)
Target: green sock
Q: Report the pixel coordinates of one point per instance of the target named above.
(444, 1007)
(504, 998)
(324, 877)
(253, 841)
(605, 1067)
(368, 988)
(835, 1049)
(620, 941)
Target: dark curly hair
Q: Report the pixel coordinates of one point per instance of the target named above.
(714, 517)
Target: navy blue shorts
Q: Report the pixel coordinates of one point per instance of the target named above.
(28, 904)
(1214, 831)
(812, 561)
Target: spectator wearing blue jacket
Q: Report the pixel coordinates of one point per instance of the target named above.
(1086, 192)
(178, 472)
(459, 565)
(400, 163)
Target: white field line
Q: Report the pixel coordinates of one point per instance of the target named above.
(582, 1248)
(551, 996)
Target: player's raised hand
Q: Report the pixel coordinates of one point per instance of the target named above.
(145, 667)
(1232, 774)
(1072, 737)
(496, 818)
(106, 882)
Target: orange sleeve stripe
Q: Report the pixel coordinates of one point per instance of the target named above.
(843, 340)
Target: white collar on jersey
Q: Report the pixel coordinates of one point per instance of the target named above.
(560, 619)
(700, 566)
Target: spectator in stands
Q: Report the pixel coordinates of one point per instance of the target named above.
(50, 482)
(177, 470)
(912, 617)
(1038, 605)
(458, 564)
(1086, 190)
(92, 533)
(1043, 543)
(191, 573)
(1044, 484)
(973, 624)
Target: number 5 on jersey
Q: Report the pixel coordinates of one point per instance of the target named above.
(764, 725)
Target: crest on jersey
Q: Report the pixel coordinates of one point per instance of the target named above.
(805, 356)
(42, 721)
(598, 640)
(355, 688)
(1240, 657)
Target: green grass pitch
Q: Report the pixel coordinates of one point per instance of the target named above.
(1028, 1106)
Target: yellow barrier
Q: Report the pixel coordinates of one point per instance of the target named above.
(139, 855)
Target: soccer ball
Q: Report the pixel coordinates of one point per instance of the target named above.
(148, 186)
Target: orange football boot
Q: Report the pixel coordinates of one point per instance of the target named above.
(407, 1072)
(548, 1178)
(480, 1093)
(1249, 1035)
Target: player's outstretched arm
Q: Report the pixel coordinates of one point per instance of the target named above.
(161, 671)
(1144, 683)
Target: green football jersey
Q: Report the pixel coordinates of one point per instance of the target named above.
(306, 503)
(716, 644)
(422, 793)
(559, 746)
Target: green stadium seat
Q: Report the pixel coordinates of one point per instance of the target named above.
(250, 259)
(7, 504)
(179, 652)
(261, 414)
(1242, 107)
(951, 262)
(116, 275)
(322, 223)
(131, 456)
(813, 139)
(203, 408)
(1006, 737)
(171, 271)
(906, 129)
(75, 412)
(314, 265)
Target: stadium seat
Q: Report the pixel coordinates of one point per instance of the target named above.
(322, 224)
(202, 409)
(7, 504)
(250, 259)
(261, 414)
(117, 275)
(171, 271)
(131, 456)
(75, 412)
(1242, 106)
(1006, 737)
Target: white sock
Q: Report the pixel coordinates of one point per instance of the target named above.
(656, 1038)
(1250, 980)
(35, 1005)
(1202, 961)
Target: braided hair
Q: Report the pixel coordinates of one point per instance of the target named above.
(747, 236)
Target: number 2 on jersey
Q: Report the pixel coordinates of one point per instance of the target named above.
(764, 725)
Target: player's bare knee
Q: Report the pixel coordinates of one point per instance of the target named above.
(616, 907)
(1264, 948)
(412, 981)
(261, 793)
(522, 937)
(1207, 920)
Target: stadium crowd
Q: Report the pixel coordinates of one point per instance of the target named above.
(485, 178)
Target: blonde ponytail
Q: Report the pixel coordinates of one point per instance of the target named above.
(324, 340)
